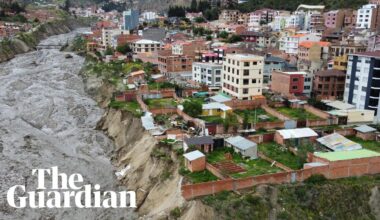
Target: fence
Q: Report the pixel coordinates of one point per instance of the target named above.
(277, 164)
(332, 170)
(163, 111)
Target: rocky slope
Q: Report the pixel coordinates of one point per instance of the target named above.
(26, 42)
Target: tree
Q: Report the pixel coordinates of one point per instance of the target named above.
(234, 38)
(245, 120)
(192, 108)
(223, 35)
(199, 20)
(211, 14)
(209, 38)
(230, 120)
(176, 11)
(108, 51)
(193, 6)
(124, 49)
(203, 6)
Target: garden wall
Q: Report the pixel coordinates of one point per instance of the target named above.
(163, 111)
(346, 132)
(316, 112)
(276, 163)
(317, 123)
(275, 113)
(215, 171)
(270, 125)
(332, 170)
(246, 104)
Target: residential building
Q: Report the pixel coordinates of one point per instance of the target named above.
(108, 36)
(261, 39)
(313, 50)
(145, 46)
(334, 19)
(295, 136)
(350, 18)
(282, 22)
(329, 84)
(340, 63)
(149, 16)
(229, 16)
(290, 44)
(363, 81)
(374, 43)
(207, 73)
(130, 19)
(243, 75)
(291, 84)
(216, 109)
(273, 63)
(262, 16)
(367, 16)
(313, 15)
(170, 64)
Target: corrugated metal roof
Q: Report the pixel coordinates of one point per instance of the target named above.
(365, 129)
(240, 142)
(297, 133)
(337, 142)
(220, 98)
(193, 155)
(216, 105)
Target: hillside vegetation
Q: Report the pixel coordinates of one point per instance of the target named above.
(350, 198)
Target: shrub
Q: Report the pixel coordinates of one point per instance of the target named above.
(175, 213)
(316, 179)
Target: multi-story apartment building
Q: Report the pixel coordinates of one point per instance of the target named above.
(329, 84)
(173, 65)
(313, 50)
(145, 46)
(207, 73)
(108, 34)
(130, 19)
(243, 75)
(363, 81)
(229, 16)
(367, 16)
(334, 19)
(262, 16)
(290, 44)
(261, 39)
(313, 15)
(350, 17)
(281, 22)
(291, 83)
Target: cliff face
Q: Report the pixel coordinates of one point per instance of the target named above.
(25, 42)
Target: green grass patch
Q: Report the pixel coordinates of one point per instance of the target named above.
(161, 85)
(161, 103)
(253, 115)
(281, 154)
(254, 167)
(297, 113)
(212, 119)
(132, 106)
(370, 145)
(199, 177)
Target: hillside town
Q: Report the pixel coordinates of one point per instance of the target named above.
(244, 98)
(267, 96)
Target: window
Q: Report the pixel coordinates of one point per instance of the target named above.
(245, 81)
(246, 63)
(245, 91)
(295, 80)
(246, 73)
(254, 63)
(237, 72)
(253, 80)
(306, 87)
(295, 87)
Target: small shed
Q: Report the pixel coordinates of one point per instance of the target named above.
(242, 145)
(203, 143)
(296, 135)
(366, 132)
(195, 161)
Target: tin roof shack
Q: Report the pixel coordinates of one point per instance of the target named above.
(243, 146)
(366, 132)
(203, 143)
(295, 136)
(336, 142)
(195, 161)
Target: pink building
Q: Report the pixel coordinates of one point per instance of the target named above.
(334, 19)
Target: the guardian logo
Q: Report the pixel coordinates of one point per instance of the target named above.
(66, 192)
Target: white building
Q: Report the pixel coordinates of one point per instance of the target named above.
(148, 16)
(290, 44)
(243, 75)
(312, 14)
(109, 34)
(207, 73)
(145, 46)
(281, 22)
(366, 16)
(363, 81)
